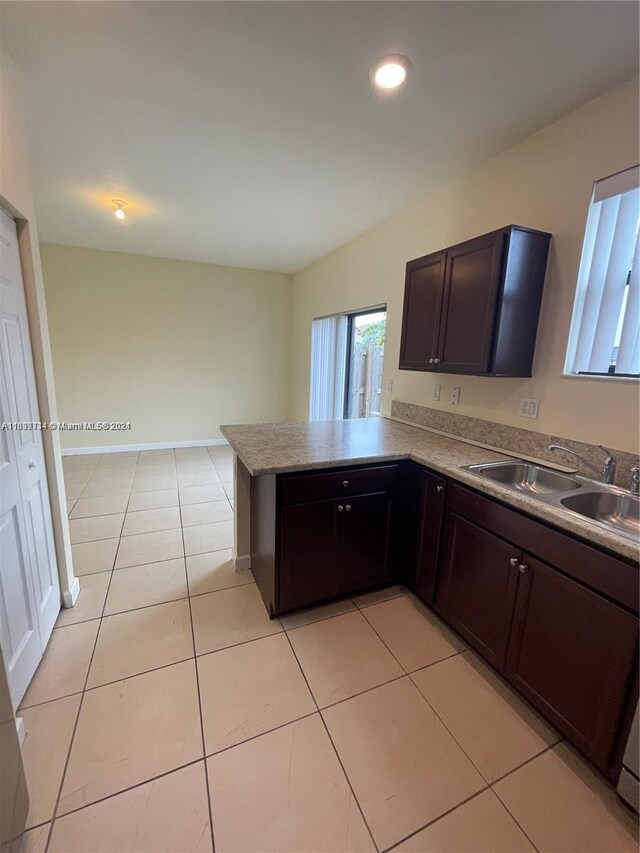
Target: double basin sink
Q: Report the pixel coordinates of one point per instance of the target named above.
(607, 506)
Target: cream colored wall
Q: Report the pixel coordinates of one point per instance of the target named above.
(545, 183)
(16, 196)
(175, 347)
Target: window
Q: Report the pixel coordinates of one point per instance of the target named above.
(605, 328)
(347, 352)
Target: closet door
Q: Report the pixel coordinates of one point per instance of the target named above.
(29, 586)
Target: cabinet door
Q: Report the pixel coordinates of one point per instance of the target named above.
(429, 526)
(572, 655)
(477, 589)
(308, 540)
(423, 292)
(364, 542)
(472, 284)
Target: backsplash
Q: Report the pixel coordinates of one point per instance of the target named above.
(515, 439)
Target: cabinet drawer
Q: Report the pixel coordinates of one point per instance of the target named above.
(347, 481)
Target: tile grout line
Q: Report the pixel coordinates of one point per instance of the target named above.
(489, 786)
(508, 810)
(196, 657)
(131, 787)
(86, 679)
(408, 674)
(527, 761)
(353, 793)
(197, 677)
(480, 773)
(125, 790)
(259, 734)
(435, 820)
(73, 735)
(405, 674)
(451, 734)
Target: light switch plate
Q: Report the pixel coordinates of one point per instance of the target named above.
(435, 392)
(528, 407)
(454, 396)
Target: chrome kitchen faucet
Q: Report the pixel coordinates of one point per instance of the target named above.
(608, 469)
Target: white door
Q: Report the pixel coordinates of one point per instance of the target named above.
(29, 586)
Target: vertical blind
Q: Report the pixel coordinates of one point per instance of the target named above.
(328, 368)
(605, 328)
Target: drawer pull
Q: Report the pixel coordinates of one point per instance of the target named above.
(439, 488)
(348, 508)
(340, 508)
(345, 483)
(523, 568)
(514, 562)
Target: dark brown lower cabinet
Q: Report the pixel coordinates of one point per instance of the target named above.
(556, 616)
(423, 514)
(308, 536)
(561, 626)
(477, 589)
(572, 655)
(334, 547)
(362, 559)
(318, 535)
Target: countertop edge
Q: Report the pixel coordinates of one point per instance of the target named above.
(552, 515)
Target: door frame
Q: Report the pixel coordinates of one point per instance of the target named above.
(45, 390)
(351, 315)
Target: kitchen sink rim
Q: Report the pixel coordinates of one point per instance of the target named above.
(555, 499)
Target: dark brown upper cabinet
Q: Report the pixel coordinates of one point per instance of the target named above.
(473, 308)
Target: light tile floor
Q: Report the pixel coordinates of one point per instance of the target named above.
(170, 713)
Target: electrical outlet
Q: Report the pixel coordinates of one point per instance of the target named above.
(528, 407)
(435, 392)
(454, 396)
(389, 386)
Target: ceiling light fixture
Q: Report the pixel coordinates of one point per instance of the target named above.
(120, 206)
(390, 71)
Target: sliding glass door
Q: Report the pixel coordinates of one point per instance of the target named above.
(364, 366)
(347, 352)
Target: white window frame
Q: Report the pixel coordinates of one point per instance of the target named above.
(610, 250)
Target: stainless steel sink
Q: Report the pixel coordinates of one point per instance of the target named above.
(615, 509)
(609, 507)
(526, 477)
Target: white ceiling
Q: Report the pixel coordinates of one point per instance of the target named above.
(247, 133)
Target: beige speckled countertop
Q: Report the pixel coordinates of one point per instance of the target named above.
(282, 448)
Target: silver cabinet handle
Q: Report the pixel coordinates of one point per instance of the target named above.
(345, 483)
(436, 361)
(522, 568)
(340, 508)
(32, 464)
(439, 488)
(513, 561)
(348, 507)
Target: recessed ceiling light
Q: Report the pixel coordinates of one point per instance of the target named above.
(119, 208)
(390, 71)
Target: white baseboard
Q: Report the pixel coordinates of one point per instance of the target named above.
(242, 562)
(69, 598)
(154, 445)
